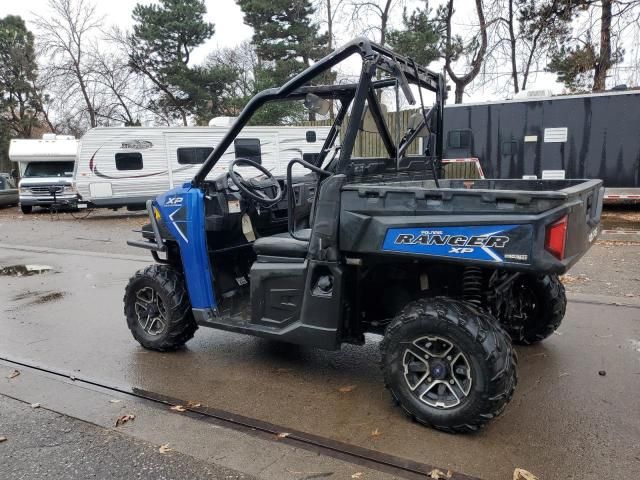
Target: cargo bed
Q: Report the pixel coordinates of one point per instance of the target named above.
(506, 223)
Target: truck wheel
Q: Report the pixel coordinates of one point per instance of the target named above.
(157, 308)
(538, 307)
(26, 209)
(448, 365)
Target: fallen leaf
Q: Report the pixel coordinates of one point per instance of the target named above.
(13, 374)
(346, 389)
(439, 474)
(3, 439)
(113, 400)
(375, 433)
(602, 373)
(283, 435)
(557, 332)
(564, 374)
(178, 408)
(358, 475)
(165, 448)
(191, 404)
(124, 419)
(35, 405)
(521, 474)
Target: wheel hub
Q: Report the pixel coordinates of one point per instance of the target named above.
(439, 369)
(150, 311)
(437, 372)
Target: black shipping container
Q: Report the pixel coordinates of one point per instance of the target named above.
(571, 136)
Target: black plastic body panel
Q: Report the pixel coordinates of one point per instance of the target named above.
(369, 211)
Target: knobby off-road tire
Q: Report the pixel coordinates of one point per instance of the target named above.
(541, 303)
(157, 308)
(489, 377)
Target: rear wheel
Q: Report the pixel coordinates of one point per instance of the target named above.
(26, 209)
(448, 365)
(157, 308)
(537, 307)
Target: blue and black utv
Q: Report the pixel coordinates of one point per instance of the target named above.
(449, 272)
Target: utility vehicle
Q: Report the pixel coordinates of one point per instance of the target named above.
(450, 272)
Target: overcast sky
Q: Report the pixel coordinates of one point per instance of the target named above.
(230, 29)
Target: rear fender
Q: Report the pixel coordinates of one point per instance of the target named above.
(182, 210)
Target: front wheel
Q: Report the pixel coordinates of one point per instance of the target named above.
(448, 365)
(158, 310)
(26, 209)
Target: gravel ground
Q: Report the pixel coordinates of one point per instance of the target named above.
(40, 444)
(608, 268)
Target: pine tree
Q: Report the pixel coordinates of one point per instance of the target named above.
(418, 38)
(286, 41)
(164, 36)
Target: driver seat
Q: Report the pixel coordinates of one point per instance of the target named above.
(283, 245)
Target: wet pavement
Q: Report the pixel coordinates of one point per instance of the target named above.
(566, 420)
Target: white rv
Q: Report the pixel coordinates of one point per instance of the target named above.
(46, 169)
(126, 166)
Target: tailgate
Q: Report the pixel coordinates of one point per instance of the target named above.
(583, 219)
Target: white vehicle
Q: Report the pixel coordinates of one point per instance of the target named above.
(126, 166)
(46, 169)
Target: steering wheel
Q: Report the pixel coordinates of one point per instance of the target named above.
(253, 188)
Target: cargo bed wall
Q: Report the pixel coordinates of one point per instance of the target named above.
(503, 228)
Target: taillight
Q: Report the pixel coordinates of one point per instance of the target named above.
(556, 237)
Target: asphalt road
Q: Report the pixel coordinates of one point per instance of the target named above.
(566, 420)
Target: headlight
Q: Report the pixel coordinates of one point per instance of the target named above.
(69, 189)
(24, 190)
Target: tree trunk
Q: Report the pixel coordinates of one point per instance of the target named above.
(459, 92)
(384, 22)
(512, 42)
(604, 59)
(462, 81)
(332, 114)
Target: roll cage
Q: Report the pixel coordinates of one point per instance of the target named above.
(401, 72)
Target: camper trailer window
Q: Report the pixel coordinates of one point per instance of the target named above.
(509, 148)
(193, 155)
(129, 161)
(248, 148)
(459, 139)
(311, 136)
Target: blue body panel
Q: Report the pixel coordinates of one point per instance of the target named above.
(182, 211)
(488, 243)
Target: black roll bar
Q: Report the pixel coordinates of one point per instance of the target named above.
(374, 56)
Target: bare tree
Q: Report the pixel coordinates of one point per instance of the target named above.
(123, 89)
(372, 16)
(455, 48)
(64, 35)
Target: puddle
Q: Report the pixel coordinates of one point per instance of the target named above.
(48, 297)
(24, 270)
(38, 298)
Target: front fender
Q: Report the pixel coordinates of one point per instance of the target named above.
(182, 211)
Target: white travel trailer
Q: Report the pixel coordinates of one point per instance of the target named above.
(127, 166)
(46, 169)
